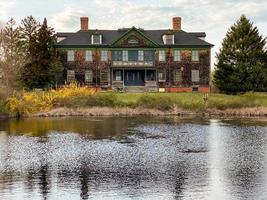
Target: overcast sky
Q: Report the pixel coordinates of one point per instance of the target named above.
(213, 17)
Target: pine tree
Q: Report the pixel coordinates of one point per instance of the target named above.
(28, 30)
(43, 67)
(11, 53)
(241, 63)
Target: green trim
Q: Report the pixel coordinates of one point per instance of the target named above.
(132, 48)
(130, 30)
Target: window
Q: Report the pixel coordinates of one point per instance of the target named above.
(104, 76)
(148, 55)
(141, 55)
(88, 76)
(161, 75)
(177, 76)
(125, 55)
(118, 76)
(195, 56)
(195, 75)
(162, 56)
(96, 39)
(168, 39)
(150, 75)
(104, 55)
(88, 55)
(117, 55)
(70, 75)
(177, 55)
(70, 56)
(132, 55)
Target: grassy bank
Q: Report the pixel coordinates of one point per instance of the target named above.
(78, 98)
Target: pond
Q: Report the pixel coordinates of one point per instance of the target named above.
(133, 158)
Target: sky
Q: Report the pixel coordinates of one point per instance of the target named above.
(211, 16)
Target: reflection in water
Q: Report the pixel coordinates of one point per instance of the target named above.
(132, 158)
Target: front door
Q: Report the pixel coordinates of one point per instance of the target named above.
(134, 77)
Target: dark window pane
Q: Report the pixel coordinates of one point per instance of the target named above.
(133, 55)
(117, 55)
(148, 55)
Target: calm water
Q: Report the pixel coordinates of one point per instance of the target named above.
(133, 158)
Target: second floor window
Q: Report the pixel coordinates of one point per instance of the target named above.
(195, 56)
(88, 55)
(140, 55)
(117, 55)
(104, 55)
(70, 55)
(148, 55)
(125, 55)
(177, 55)
(162, 55)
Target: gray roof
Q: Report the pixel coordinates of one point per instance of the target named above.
(82, 38)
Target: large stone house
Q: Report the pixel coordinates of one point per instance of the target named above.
(129, 58)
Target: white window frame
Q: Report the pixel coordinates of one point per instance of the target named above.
(70, 55)
(92, 39)
(162, 55)
(163, 79)
(165, 39)
(140, 55)
(104, 55)
(195, 75)
(87, 73)
(177, 75)
(177, 55)
(88, 55)
(124, 55)
(70, 75)
(195, 55)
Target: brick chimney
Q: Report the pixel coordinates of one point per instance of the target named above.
(176, 23)
(84, 23)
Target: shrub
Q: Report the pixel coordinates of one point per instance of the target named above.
(29, 102)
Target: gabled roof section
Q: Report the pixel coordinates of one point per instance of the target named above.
(136, 34)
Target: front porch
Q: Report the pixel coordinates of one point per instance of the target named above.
(132, 80)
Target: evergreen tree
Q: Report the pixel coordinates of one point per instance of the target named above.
(11, 53)
(28, 30)
(241, 63)
(43, 67)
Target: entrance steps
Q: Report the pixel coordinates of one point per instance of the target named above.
(134, 89)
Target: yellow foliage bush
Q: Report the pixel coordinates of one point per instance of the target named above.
(73, 89)
(40, 101)
(29, 102)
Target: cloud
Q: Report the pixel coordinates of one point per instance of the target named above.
(4, 8)
(67, 20)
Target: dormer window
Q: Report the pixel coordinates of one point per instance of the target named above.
(96, 39)
(168, 39)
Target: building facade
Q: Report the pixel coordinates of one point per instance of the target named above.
(151, 60)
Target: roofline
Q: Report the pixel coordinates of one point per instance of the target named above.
(135, 47)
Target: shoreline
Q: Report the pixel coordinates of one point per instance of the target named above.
(107, 111)
(139, 111)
